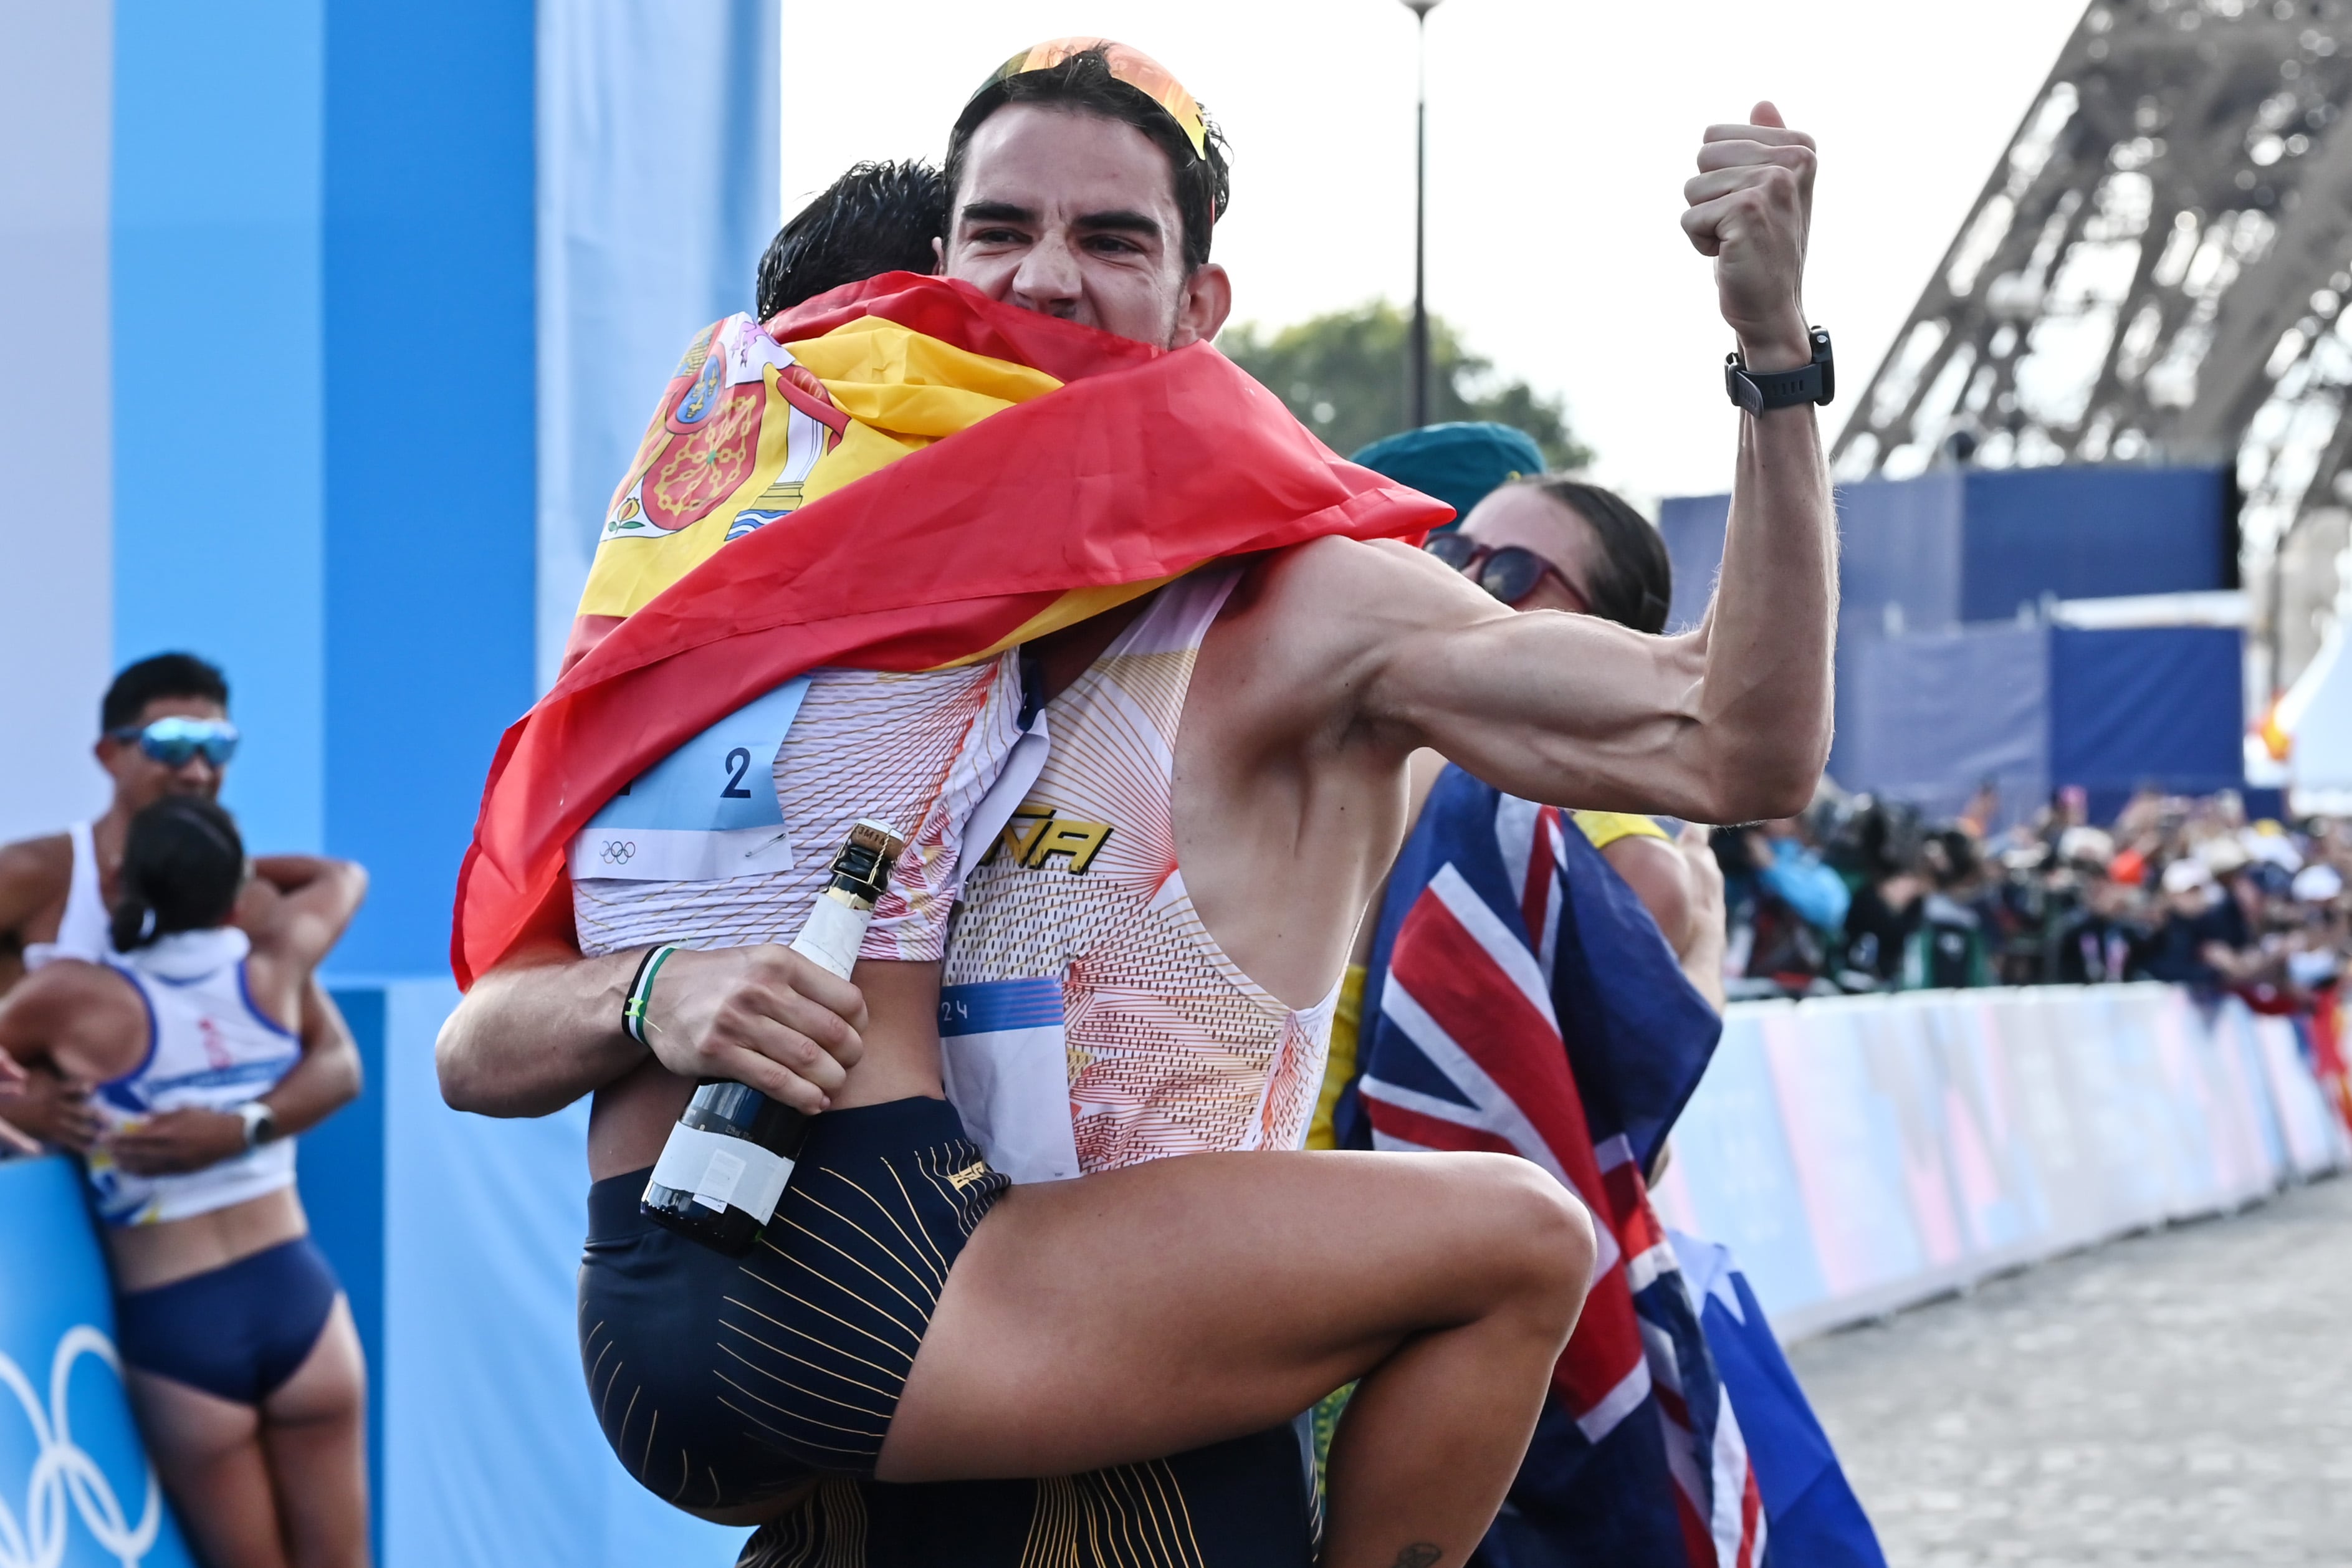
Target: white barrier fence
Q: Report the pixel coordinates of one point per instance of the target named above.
(1859, 1153)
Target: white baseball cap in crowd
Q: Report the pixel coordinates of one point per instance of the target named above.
(2187, 875)
(2223, 856)
(2318, 884)
(2086, 843)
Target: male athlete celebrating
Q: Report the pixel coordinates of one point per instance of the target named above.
(1275, 779)
(163, 731)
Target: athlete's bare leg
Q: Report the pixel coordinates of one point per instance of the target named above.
(208, 1452)
(1149, 1310)
(314, 1430)
(1139, 1313)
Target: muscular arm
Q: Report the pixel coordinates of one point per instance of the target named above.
(80, 1020)
(297, 905)
(1557, 707)
(1729, 722)
(328, 1078)
(537, 1033)
(1661, 878)
(544, 1028)
(1702, 960)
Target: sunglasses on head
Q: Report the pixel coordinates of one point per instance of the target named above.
(173, 741)
(1129, 64)
(1510, 573)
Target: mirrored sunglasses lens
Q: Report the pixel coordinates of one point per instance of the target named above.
(1452, 548)
(1511, 574)
(173, 741)
(172, 751)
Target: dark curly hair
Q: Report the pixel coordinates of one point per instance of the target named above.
(151, 679)
(1084, 82)
(877, 218)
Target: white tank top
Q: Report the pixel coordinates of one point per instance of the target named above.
(1170, 1047)
(729, 840)
(82, 929)
(207, 1046)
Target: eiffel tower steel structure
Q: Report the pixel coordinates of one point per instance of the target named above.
(2157, 270)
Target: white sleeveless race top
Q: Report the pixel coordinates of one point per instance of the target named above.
(82, 929)
(729, 839)
(1170, 1047)
(207, 1046)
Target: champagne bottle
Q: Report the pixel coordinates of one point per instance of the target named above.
(727, 1159)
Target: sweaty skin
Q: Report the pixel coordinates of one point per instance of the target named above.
(1667, 876)
(1332, 663)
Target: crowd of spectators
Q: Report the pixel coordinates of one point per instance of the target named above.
(1862, 894)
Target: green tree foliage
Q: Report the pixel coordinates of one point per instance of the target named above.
(1344, 376)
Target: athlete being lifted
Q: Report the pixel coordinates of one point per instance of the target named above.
(1249, 725)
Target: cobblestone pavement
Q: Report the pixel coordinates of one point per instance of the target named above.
(2178, 1398)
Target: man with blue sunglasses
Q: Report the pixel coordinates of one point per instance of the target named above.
(164, 730)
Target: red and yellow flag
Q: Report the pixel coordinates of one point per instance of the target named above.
(995, 475)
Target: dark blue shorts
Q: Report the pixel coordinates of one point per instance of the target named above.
(1243, 1504)
(238, 1331)
(723, 1381)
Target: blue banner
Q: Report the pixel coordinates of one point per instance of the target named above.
(75, 1489)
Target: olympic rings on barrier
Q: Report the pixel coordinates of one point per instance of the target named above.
(618, 851)
(64, 1471)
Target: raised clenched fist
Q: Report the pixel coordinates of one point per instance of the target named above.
(1750, 205)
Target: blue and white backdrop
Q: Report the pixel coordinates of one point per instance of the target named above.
(324, 331)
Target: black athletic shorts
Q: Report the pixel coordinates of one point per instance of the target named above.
(724, 1381)
(1243, 1504)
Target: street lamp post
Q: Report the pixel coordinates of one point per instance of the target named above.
(1421, 10)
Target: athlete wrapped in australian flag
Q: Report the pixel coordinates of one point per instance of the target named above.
(1521, 999)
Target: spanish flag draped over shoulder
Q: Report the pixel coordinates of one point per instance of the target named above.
(984, 475)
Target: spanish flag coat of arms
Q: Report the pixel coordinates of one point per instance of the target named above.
(902, 474)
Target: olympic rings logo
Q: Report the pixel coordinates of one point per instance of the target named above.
(618, 851)
(64, 1471)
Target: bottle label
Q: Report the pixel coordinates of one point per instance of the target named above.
(719, 1179)
(723, 1172)
(832, 936)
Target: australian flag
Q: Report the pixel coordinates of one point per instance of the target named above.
(1522, 1000)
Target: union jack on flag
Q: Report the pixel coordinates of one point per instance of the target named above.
(1488, 1026)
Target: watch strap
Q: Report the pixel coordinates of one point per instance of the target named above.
(260, 1122)
(1758, 391)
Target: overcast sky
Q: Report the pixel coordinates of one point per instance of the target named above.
(1561, 134)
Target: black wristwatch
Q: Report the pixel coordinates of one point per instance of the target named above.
(1757, 391)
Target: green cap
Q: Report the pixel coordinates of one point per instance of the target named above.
(1458, 463)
